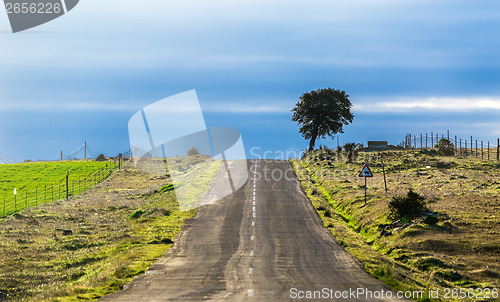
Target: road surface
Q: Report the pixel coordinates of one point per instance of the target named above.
(263, 243)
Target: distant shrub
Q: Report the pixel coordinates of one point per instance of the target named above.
(406, 206)
(445, 148)
(351, 150)
(100, 157)
(193, 151)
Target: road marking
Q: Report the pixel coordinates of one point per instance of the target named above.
(254, 209)
(254, 203)
(250, 292)
(250, 271)
(253, 215)
(251, 253)
(252, 237)
(253, 223)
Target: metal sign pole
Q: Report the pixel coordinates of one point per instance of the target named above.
(365, 191)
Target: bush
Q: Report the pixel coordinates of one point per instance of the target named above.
(351, 150)
(407, 206)
(100, 157)
(445, 148)
(193, 151)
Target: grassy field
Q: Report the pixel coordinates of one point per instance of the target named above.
(459, 250)
(40, 182)
(89, 245)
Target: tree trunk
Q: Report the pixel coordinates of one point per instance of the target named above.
(312, 142)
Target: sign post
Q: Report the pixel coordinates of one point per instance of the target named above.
(365, 172)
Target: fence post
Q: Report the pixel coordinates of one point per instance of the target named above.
(460, 150)
(437, 138)
(4, 205)
(26, 202)
(482, 152)
(432, 139)
(415, 141)
(67, 185)
(15, 202)
(488, 150)
(421, 142)
(36, 196)
(476, 147)
(471, 150)
(456, 147)
(45, 193)
(448, 134)
(426, 145)
(498, 149)
(52, 189)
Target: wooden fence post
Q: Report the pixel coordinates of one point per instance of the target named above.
(476, 148)
(482, 152)
(432, 139)
(488, 150)
(448, 134)
(67, 185)
(421, 142)
(471, 150)
(4, 205)
(460, 149)
(456, 147)
(498, 149)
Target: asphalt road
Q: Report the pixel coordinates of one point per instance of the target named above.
(263, 243)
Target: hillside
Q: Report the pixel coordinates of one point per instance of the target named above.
(458, 247)
(91, 244)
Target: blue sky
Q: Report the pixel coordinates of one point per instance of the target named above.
(409, 66)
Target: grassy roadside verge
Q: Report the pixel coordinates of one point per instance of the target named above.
(459, 251)
(92, 244)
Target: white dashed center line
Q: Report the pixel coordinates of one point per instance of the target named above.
(250, 292)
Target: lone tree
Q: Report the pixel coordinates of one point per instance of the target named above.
(322, 112)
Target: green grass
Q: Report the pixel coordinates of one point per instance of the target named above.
(118, 230)
(41, 182)
(459, 250)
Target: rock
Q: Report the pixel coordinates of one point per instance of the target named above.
(67, 232)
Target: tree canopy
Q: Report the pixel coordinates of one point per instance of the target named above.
(322, 113)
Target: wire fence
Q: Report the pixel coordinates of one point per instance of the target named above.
(66, 187)
(463, 146)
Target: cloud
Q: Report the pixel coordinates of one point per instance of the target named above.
(411, 105)
(221, 107)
